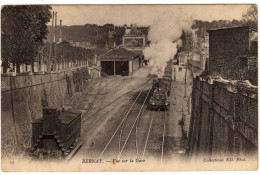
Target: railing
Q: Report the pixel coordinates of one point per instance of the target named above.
(42, 68)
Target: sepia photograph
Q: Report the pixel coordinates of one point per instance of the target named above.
(137, 87)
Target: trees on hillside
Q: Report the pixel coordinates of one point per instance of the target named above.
(251, 16)
(23, 30)
(119, 32)
(188, 41)
(65, 53)
(203, 26)
(95, 34)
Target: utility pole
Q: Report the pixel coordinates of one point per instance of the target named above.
(185, 90)
(60, 40)
(51, 49)
(55, 49)
(185, 93)
(60, 31)
(55, 23)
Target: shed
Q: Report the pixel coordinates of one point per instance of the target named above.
(119, 61)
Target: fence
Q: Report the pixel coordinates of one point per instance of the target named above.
(39, 67)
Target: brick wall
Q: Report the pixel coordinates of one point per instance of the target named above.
(226, 46)
(224, 118)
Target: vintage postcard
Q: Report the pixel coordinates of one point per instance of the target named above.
(129, 87)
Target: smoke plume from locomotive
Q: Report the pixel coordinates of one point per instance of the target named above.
(164, 34)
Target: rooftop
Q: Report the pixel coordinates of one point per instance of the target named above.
(232, 28)
(119, 53)
(133, 31)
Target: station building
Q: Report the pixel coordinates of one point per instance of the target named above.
(120, 61)
(127, 58)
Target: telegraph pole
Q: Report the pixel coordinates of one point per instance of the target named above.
(55, 49)
(60, 40)
(50, 55)
(185, 90)
(60, 31)
(55, 24)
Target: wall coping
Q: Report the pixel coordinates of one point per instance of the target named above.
(234, 86)
(53, 76)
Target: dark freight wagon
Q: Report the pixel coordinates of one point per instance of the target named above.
(56, 133)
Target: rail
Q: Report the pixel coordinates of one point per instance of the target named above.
(163, 137)
(123, 120)
(148, 134)
(120, 153)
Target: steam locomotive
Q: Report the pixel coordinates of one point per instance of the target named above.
(55, 134)
(160, 94)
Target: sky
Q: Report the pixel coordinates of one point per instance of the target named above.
(143, 14)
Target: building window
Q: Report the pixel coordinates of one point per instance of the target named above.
(180, 69)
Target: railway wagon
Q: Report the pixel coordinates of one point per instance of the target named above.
(56, 133)
(160, 94)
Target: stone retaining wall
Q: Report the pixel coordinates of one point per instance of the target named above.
(224, 118)
(23, 98)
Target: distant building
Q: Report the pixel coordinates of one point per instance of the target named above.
(186, 59)
(233, 53)
(178, 71)
(83, 44)
(133, 39)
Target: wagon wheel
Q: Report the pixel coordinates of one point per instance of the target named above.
(36, 152)
(58, 154)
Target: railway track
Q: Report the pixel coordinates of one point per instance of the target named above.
(132, 128)
(124, 143)
(96, 95)
(118, 98)
(128, 140)
(164, 122)
(124, 136)
(153, 136)
(101, 88)
(138, 134)
(147, 137)
(117, 101)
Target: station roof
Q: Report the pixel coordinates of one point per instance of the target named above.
(120, 53)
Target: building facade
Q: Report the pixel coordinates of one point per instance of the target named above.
(133, 40)
(232, 51)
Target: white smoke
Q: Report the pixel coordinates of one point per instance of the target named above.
(158, 54)
(164, 34)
